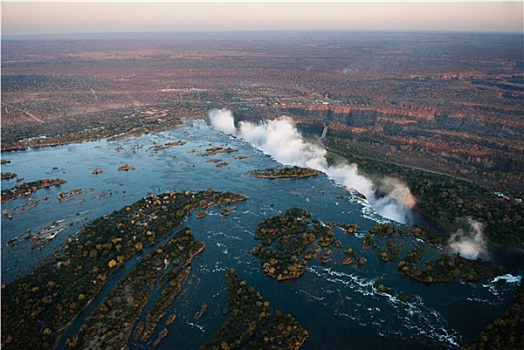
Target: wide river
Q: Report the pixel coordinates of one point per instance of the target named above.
(338, 304)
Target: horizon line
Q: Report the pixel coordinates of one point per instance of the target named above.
(230, 31)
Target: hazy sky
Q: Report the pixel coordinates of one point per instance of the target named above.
(22, 18)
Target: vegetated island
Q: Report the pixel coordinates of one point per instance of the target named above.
(217, 150)
(445, 268)
(253, 324)
(506, 332)
(37, 308)
(27, 188)
(442, 199)
(290, 240)
(8, 176)
(168, 145)
(165, 267)
(286, 173)
(125, 167)
(284, 242)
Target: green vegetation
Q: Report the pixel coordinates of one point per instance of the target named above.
(278, 265)
(8, 176)
(27, 188)
(226, 211)
(125, 167)
(506, 332)
(425, 234)
(416, 254)
(289, 241)
(253, 324)
(392, 249)
(348, 228)
(444, 269)
(286, 173)
(383, 289)
(447, 269)
(368, 241)
(96, 126)
(285, 239)
(217, 150)
(37, 307)
(382, 229)
(165, 269)
(445, 199)
(391, 252)
(72, 194)
(168, 145)
(294, 221)
(282, 262)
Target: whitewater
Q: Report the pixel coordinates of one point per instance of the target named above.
(338, 304)
(280, 139)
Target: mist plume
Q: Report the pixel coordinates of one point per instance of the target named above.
(280, 138)
(469, 241)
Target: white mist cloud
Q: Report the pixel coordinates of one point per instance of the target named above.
(281, 139)
(469, 242)
(223, 120)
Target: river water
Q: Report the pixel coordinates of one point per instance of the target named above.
(339, 305)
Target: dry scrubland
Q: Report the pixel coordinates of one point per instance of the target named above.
(449, 103)
(443, 112)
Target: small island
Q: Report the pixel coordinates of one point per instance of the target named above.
(56, 292)
(125, 167)
(285, 240)
(167, 265)
(445, 268)
(28, 188)
(348, 228)
(226, 211)
(216, 150)
(8, 176)
(506, 332)
(72, 194)
(286, 173)
(449, 268)
(168, 145)
(253, 324)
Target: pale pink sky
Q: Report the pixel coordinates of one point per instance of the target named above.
(22, 18)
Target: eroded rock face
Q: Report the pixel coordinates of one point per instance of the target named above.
(456, 138)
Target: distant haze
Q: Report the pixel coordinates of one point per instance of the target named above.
(29, 18)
